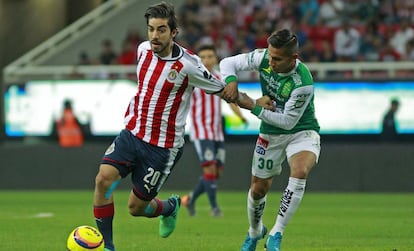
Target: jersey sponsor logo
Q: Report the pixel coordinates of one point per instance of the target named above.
(267, 70)
(272, 85)
(172, 75)
(110, 149)
(260, 150)
(286, 89)
(262, 142)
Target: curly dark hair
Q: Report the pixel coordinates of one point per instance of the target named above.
(162, 10)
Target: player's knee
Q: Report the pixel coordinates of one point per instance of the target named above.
(102, 180)
(301, 172)
(257, 194)
(134, 210)
(210, 169)
(138, 208)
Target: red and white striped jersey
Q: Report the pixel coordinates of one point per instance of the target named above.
(205, 115)
(158, 111)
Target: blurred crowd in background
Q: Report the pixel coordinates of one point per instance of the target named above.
(328, 30)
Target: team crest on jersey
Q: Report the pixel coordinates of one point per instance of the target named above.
(110, 149)
(301, 100)
(208, 154)
(172, 75)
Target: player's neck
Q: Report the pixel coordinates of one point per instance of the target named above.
(167, 52)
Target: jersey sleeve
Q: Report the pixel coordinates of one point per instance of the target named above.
(230, 66)
(293, 111)
(142, 47)
(200, 77)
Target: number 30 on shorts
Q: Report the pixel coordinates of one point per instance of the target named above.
(265, 163)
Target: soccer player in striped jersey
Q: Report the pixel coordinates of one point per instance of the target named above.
(288, 130)
(206, 133)
(152, 141)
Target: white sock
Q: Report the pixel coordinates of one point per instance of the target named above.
(289, 203)
(255, 210)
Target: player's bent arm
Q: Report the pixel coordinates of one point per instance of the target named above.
(231, 92)
(246, 102)
(293, 111)
(230, 66)
(199, 76)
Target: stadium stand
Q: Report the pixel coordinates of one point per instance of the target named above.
(382, 31)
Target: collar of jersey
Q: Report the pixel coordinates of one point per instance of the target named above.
(177, 53)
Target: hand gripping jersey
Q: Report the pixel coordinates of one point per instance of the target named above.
(292, 92)
(157, 113)
(205, 113)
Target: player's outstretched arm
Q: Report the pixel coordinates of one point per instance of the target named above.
(246, 102)
(230, 92)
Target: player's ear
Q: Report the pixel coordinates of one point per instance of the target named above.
(174, 33)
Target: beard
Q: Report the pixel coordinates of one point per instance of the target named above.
(159, 47)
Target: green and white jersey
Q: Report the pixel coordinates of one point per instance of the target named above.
(292, 92)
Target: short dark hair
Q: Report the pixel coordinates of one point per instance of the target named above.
(207, 47)
(284, 39)
(67, 104)
(162, 10)
(395, 101)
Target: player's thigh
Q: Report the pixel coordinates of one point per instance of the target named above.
(122, 154)
(153, 169)
(304, 141)
(268, 156)
(303, 152)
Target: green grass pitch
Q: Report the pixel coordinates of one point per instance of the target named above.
(42, 220)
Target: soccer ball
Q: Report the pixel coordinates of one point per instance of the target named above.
(84, 238)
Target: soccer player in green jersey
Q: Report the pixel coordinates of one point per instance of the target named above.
(288, 129)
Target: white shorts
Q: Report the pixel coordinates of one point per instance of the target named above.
(272, 150)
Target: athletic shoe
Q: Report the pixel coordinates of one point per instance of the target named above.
(273, 242)
(167, 223)
(251, 243)
(189, 204)
(216, 212)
